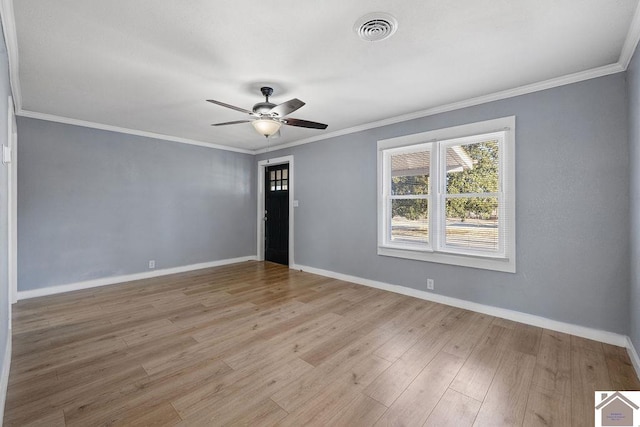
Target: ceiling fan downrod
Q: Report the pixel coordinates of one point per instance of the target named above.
(266, 92)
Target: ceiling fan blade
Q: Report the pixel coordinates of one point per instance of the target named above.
(235, 122)
(303, 123)
(286, 107)
(233, 107)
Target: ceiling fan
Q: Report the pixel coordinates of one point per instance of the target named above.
(267, 118)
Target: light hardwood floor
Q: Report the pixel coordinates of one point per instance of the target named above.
(258, 344)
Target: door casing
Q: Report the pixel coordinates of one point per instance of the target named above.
(12, 217)
(262, 165)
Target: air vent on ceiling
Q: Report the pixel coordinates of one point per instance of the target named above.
(376, 26)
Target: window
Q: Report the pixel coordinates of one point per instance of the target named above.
(278, 180)
(448, 195)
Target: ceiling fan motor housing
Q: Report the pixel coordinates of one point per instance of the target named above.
(266, 106)
(263, 107)
(267, 117)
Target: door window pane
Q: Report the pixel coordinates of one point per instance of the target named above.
(278, 180)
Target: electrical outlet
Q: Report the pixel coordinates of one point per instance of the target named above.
(430, 284)
(152, 263)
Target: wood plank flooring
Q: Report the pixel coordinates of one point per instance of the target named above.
(258, 344)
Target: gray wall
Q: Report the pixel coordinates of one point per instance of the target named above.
(633, 82)
(94, 204)
(572, 207)
(97, 204)
(5, 91)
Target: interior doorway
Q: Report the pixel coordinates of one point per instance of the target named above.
(275, 214)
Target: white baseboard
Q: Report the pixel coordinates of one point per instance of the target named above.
(633, 355)
(52, 290)
(517, 316)
(4, 375)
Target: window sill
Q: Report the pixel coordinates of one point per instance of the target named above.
(506, 265)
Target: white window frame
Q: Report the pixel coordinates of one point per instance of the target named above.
(437, 141)
(386, 183)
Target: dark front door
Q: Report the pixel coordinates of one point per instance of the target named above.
(276, 205)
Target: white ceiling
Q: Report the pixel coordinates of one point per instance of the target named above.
(149, 65)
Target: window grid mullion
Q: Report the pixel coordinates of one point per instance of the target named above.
(387, 193)
(442, 183)
(433, 186)
(408, 196)
(469, 195)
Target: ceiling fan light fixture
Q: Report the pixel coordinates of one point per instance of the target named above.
(266, 127)
(267, 118)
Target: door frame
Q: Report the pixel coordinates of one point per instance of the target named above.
(12, 217)
(262, 165)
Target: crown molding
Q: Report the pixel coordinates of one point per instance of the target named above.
(10, 35)
(83, 123)
(496, 96)
(630, 43)
(11, 40)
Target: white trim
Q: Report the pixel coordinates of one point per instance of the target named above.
(262, 164)
(52, 290)
(4, 376)
(633, 35)
(12, 216)
(11, 42)
(633, 355)
(630, 43)
(504, 265)
(93, 125)
(517, 316)
(436, 251)
(496, 96)
(385, 197)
